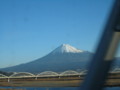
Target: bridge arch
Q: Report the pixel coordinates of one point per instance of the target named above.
(69, 72)
(3, 76)
(22, 74)
(47, 74)
(83, 72)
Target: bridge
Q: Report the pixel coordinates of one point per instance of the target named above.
(45, 74)
(53, 79)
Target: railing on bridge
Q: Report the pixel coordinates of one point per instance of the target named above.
(45, 74)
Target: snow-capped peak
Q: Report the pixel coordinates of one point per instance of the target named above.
(66, 48)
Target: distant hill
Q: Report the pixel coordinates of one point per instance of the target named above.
(65, 57)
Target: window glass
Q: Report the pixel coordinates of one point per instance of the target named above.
(113, 79)
(49, 43)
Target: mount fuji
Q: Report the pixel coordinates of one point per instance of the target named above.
(65, 57)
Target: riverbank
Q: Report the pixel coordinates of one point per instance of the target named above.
(74, 81)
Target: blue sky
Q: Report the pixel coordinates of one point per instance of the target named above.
(30, 29)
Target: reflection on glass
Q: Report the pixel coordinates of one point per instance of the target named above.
(48, 43)
(113, 79)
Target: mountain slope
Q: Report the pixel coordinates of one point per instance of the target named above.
(65, 57)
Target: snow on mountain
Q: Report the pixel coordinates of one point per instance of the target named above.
(66, 48)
